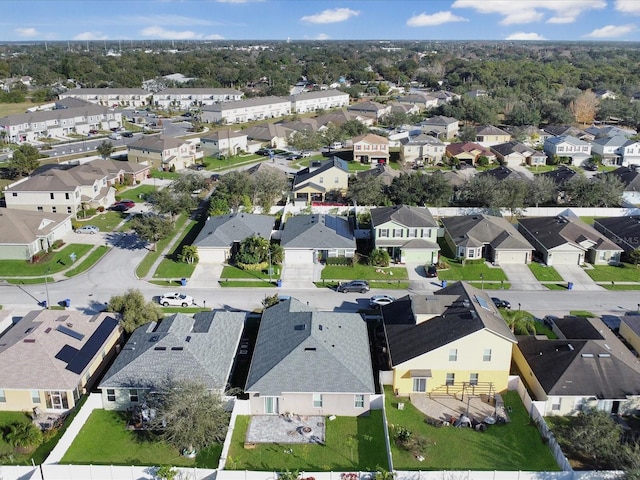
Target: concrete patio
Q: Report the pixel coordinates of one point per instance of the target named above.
(443, 408)
(285, 428)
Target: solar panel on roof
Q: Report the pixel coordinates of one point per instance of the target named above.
(68, 331)
(94, 345)
(483, 303)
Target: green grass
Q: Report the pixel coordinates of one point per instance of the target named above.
(351, 443)
(471, 272)
(58, 260)
(164, 175)
(620, 287)
(245, 283)
(358, 167)
(105, 440)
(187, 310)
(215, 164)
(135, 193)
(612, 273)
(170, 267)
(544, 273)
(229, 271)
(28, 281)
(542, 169)
(7, 453)
(363, 272)
(514, 446)
(390, 284)
(106, 222)
(542, 329)
(555, 286)
(88, 262)
(582, 313)
(150, 258)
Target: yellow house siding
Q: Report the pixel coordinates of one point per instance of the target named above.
(527, 375)
(470, 353)
(630, 336)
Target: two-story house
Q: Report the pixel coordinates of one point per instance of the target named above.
(249, 110)
(186, 98)
(489, 135)
(163, 152)
(321, 181)
(370, 109)
(421, 150)
(441, 127)
(224, 142)
(371, 148)
(110, 97)
(570, 147)
(318, 100)
(409, 234)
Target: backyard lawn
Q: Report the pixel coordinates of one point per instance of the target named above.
(351, 443)
(516, 445)
(106, 221)
(363, 272)
(58, 260)
(544, 273)
(7, 453)
(471, 272)
(105, 440)
(612, 273)
(215, 164)
(136, 194)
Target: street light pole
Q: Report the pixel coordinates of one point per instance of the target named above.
(269, 259)
(46, 286)
(482, 281)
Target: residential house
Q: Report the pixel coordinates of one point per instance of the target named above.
(249, 110)
(221, 236)
(630, 178)
(576, 150)
(630, 331)
(318, 100)
(404, 108)
(623, 231)
(341, 116)
(31, 127)
(371, 148)
(513, 154)
(117, 172)
(24, 233)
(443, 97)
(321, 181)
(610, 131)
(486, 236)
(469, 152)
(49, 358)
(611, 149)
(421, 100)
(448, 343)
(567, 240)
(273, 135)
(603, 94)
(61, 190)
(441, 127)
(489, 135)
(586, 368)
(478, 93)
(310, 362)
(163, 152)
(504, 173)
(110, 97)
(309, 239)
(188, 98)
(564, 131)
(370, 109)
(533, 136)
(385, 173)
(561, 176)
(409, 234)
(224, 142)
(201, 348)
(421, 150)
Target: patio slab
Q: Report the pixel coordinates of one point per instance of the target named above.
(443, 408)
(286, 428)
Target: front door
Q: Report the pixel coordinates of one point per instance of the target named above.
(271, 405)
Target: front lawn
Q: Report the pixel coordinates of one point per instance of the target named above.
(544, 273)
(472, 272)
(106, 221)
(170, 266)
(88, 262)
(514, 446)
(216, 164)
(137, 194)
(56, 261)
(363, 272)
(358, 167)
(351, 444)
(613, 273)
(231, 272)
(105, 440)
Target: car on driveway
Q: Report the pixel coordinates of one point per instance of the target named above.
(360, 286)
(127, 134)
(432, 271)
(119, 207)
(380, 300)
(498, 302)
(127, 203)
(176, 299)
(90, 229)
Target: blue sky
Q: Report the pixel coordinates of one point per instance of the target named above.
(553, 20)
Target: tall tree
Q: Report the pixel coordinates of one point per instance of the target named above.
(366, 190)
(584, 107)
(437, 190)
(541, 190)
(105, 149)
(151, 227)
(25, 159)
(134, 309)
(268, 186)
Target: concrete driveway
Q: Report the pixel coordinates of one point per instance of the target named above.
(520, 277)
(577, 275)
(418, 279)
(300, 275)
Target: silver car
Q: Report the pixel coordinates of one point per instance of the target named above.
(91, 229)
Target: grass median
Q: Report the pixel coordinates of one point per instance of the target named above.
(150, 258)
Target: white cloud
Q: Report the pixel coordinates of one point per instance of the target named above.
(91, 36)
(331, 16)
(425, 20)
(611, 31)
(628, 6)
(162, 33)
(525, 36)
(27, 32)
(529, 11)
(322, 36)
(173, 20)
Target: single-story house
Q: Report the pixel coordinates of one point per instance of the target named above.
(513, 154)
(24, 233)
(623, 231)
(308, 239)
(630, 178)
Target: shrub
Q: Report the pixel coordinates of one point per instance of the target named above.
(57, 244)
(101, 209)
(380, 258)
(342, 261)
(253, 267)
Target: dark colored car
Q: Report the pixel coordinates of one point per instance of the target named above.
(501, 303)
(198, 167)
(360, 286)
(127, 134)
(93, 132)
(127, 203)
(119, 207)
(432, 271)
(591, 166)
(294, 157)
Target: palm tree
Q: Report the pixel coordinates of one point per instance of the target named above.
(520, 322)
(23, 435)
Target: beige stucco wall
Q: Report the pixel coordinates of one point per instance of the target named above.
(341, 404)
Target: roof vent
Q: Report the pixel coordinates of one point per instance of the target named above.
(310, 349)
(604, 355)
(300, 327)
(29, 340)
(587, 355)
(154, 338)
(160, 348)
(177, 348)
(570, 347)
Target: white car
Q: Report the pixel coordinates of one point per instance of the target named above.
(176, 299)
(380, 300)
(115, 136)
(91, 229)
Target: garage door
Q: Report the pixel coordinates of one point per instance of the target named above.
(212, 255)
(298, 256)
(411, 255)
(511, 257)
(564, 258)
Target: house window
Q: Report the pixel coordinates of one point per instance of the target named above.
(451, 379)
(486, 356)
(397, 233)
(40, 209)
(383, 233)
(35, 396)
(111, 395)
(471, 253)
(56, 400)
(419, 384)
(602, 255)
(321, 180)
(14, 194)
(453, 355)
(473, 379)
(317, 400)
(66, 196)
(556, 402)
(3, 397)
(69, 210)
(412, 232)
(54, 209)
(358, 401)
(336, 180)
(51, 196)
(133, 395)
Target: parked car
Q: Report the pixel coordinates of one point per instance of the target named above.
(119, 207)
(380, 300)
(176, 299)
(127, 203)
(591, 166)
(127, 134)
(305, 154)
(501, 303)
(93, 131)
(115, 136)
(360, 286)
(432, 271)
(90, 229)
(294, 157)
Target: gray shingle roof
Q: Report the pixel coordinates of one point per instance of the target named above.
(179, 347)
(23, 226)
(156, 143)
(225, 230)
(555, 231)
(300, 349)
(318, 231)
(480, 229)
(625, 228)
(302, 176)
(403, 215)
